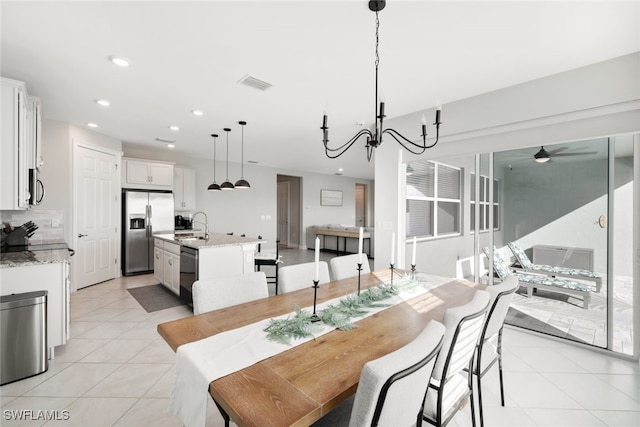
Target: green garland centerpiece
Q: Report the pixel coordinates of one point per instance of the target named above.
(339, 315)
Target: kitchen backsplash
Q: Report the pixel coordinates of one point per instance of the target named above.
(50, 223)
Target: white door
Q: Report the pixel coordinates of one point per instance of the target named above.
(283, 212)
(96, 207)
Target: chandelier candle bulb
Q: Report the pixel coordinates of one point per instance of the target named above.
(317, 260)
(381, 109)
(324, 120)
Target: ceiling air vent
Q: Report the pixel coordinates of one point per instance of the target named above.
(166, 141)
(255, 83)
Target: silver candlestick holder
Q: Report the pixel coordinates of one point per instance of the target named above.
(359, 273)
(413, 271)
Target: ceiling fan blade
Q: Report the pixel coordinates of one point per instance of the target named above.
(581, 153)
(557, 150)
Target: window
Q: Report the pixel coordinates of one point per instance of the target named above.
(433, 199)
(484, 203)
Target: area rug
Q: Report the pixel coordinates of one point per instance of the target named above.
(155, 297)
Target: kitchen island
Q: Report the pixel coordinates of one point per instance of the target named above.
(180, 260)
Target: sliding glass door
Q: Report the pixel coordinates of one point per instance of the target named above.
(560, 216)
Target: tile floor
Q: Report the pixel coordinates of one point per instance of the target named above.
(117, 371)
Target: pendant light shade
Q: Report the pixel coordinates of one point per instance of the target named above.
(214, 186)
(227, 185)
(242, 183)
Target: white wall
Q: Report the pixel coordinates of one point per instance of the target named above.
(254, 211)
(602, 99)
(57, 170)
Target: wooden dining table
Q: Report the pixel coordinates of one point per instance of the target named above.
(304, 383)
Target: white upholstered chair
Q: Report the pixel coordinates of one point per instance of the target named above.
(450, 386)
(213, 294)
(347, 266)
(392, 388)
(490, 344)
(299, 276)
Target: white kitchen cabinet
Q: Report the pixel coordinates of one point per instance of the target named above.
(158, 263)
(53, 278)
(172, 271)
(14, 146)
(184, 189)
(34, 132)
(166, 264)
(146, 174)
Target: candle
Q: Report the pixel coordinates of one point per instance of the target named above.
(413, 257)
(324, 120)
(360, 244)
(438, 110)
(382, 109)
(316, 276)
(393, 247)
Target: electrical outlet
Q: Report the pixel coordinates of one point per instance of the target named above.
(55, 223)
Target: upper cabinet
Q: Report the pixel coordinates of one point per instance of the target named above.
(17, 147)
(184, 189)
(147, 174)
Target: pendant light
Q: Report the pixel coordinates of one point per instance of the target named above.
(227, 185)
(242, 183)
(213, 186)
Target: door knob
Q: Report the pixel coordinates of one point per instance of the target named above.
(82, 235)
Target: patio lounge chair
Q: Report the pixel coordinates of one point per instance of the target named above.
(572, 273)
(535, 281)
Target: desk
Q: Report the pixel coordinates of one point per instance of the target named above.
(299, 386)
(345, 234)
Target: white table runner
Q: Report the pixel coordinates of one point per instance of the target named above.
(201, 362)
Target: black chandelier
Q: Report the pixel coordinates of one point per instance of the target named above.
(374, 138)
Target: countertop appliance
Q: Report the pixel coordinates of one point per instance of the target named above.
(188, 272)
(144, 213)
(183, 223)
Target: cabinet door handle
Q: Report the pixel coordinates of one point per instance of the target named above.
(82, 235)
(170, 261)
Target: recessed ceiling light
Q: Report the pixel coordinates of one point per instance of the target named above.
(103, 102)
(171, 145)
(121, 62)
(174, 128)
(197, 112)
(340, 170)
(92, 125)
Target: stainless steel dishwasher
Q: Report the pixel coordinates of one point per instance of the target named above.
(23, 336)
(188, 272)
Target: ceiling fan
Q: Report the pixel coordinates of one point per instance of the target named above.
(543, 156)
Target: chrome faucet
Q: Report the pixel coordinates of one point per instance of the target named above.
(205, 223)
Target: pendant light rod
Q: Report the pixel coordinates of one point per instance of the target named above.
(242, 183)
(227, 185)
(214, 186)
(374, 138)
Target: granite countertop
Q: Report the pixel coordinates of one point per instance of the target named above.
(26, 258)
(214, 240)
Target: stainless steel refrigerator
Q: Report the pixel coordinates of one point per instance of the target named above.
(144, 213)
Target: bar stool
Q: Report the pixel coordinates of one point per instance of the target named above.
(269, 258)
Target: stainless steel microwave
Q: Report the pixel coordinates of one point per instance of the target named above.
(36, 188)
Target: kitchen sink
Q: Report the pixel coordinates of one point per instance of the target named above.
(189, 238)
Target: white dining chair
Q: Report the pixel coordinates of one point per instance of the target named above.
(490, 344)
(299, 276)
(392, 388)
(347, 266)
(217, 293)
(450, 386)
